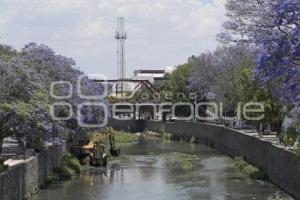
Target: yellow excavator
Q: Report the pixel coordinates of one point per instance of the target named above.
(98, 156)
(95, 148)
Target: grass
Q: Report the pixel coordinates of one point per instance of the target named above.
(125, 137)
(70, 166)
(160, 134)
(121, 137)
(250, 170)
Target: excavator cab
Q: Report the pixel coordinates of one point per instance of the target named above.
(98, 155)
(95, 149)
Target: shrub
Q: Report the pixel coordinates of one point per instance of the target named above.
(255, 172)
(69, 167)
(52, 179)
(168, 136)
(72, 162)
(3, 167)
(298, 147)
(240, 163)
(290, 136)
(65, 172)
(250, 170)
(161, 131)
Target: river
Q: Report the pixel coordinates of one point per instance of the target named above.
(163, 170)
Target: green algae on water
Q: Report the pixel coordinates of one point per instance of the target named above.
(180, 160)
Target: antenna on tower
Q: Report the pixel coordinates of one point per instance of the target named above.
(121, 36)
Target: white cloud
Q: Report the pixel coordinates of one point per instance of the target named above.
(142, 8)
(160, 32)
(201, 21)
(105, 5)
(2, 21)
(6, 16)
(93, 28)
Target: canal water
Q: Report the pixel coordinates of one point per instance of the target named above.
(163, 170)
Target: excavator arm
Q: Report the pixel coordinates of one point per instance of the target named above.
(112, 143)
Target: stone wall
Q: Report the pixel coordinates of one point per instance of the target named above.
(21, 181)
(282, 166)
(31, 176)
(12, 183)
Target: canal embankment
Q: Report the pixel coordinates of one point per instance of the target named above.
(281, 165)
(25, 177)
(157, 168)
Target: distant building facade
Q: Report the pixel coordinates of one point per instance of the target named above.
(149, 74)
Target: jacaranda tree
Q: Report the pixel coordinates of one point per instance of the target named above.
(278, 58)
(274, 27)
(25, 99)
(219, 71)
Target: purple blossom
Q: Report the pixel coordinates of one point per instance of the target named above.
(278, 56)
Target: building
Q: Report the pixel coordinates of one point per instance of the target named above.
(149, 74)
(141, 79)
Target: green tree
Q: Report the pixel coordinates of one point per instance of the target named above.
(175, 87)
(176, 83)
(250, 89)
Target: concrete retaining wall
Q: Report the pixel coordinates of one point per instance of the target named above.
(282, 166)
(22, 180)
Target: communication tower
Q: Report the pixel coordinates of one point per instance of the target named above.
(120, 36)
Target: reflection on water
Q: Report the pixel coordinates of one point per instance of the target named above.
(154, 169)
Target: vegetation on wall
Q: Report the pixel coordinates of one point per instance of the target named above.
(250, 170)
(69, 167)
(3, 167)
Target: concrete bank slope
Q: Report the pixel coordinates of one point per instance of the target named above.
(282, 166)
(22, 180)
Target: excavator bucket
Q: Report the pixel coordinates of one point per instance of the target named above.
(114, 152)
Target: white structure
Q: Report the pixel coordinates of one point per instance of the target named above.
(151, 75)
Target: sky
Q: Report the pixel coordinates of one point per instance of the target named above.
(161, 33)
